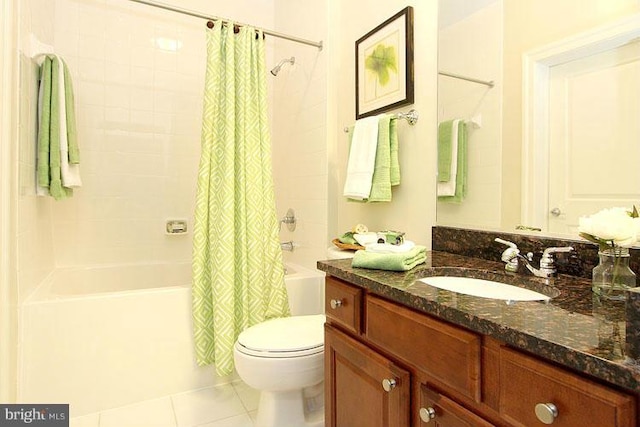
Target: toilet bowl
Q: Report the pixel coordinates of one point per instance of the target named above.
(284, 359)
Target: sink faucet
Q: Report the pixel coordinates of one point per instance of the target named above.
(512, 255)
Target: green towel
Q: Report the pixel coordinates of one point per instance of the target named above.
(48, 166)
(394, 172)
(45, 123)
(391, 261)
(386, 172)
(69, 104)
(461, 177)
(445, 131)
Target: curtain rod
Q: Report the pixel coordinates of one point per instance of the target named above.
(202, 15)
(469, 79)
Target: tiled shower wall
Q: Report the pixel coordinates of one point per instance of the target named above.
(300, 129)
(138, 74)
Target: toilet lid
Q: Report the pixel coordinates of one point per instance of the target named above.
(284, 337)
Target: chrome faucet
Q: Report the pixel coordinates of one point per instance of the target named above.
(512, 255)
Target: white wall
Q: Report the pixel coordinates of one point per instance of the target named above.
(473, 47)
(413, 206)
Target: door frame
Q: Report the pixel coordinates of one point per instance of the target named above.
(536, 66)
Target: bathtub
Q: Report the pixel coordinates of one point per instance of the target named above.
(104, 337)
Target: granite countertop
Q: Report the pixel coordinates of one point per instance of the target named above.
(573, 329)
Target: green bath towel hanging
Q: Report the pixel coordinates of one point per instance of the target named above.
(238, 274)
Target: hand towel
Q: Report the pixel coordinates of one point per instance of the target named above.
(445, 131)
(393, 141)
(56, 188)
(57, 167)
(381, 180)
(44, 122)
(448, 188)
(392, 262)
(362, 155)
(462, 167)
(386, 172)
(69, 153)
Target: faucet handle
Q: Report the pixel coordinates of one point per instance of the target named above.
(546, 262)
(506, 242)
(509, 255)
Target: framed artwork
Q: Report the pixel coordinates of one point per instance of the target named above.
(384, 66)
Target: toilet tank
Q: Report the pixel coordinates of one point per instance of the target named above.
(305, 288)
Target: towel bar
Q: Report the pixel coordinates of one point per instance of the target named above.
(410, 116)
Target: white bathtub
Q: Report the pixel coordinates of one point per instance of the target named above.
(103, 337)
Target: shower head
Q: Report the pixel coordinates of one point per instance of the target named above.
(276, 69)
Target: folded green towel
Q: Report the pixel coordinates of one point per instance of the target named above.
(445, 131)
(390, 261)
(461, 177)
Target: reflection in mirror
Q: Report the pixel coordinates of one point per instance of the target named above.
(487, 40)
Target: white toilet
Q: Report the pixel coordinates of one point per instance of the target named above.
(284, 359)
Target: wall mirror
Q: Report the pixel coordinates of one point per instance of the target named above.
(550, 93)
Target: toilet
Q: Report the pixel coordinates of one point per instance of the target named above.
(284, 359)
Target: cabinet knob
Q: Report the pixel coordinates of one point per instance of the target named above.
(389, 384)
(335, 303)
(546, 412)
(427, 414)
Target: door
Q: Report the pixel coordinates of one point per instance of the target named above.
(594, 135)
(363, 388)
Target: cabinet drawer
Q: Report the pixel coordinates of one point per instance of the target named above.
(422, 341)
(526, 382)
(343, 304)
(444, 412)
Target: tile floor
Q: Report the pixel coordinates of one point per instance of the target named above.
(227, 405)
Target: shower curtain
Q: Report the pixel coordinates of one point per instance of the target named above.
(238, 275)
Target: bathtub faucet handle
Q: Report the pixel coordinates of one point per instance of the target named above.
(290, 220)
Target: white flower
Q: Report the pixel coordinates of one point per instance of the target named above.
(612, 225)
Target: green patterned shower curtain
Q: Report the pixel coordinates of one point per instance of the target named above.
(238, 276)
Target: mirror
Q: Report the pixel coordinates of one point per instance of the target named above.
(517, 144)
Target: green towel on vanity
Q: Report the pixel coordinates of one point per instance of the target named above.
(386, 172)
(391, 261)
(461, 176)
(445, 131)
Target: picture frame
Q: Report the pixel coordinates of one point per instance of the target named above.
(384, 66)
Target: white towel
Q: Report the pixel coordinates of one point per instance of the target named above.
(362, 159)
(386, 248)
(70, 172)
(448, 188)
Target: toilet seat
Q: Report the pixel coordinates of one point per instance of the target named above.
(284, 337)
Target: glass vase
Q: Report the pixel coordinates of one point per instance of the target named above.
(612, 276)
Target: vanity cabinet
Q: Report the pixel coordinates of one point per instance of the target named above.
(388, 365)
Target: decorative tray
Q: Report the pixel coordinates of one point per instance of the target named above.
(347, 246)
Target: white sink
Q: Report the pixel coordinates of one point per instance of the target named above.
(484, 288)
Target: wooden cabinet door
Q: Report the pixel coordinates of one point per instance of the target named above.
(434, 409)
(355, 395)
